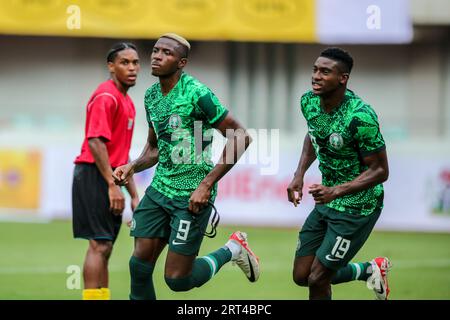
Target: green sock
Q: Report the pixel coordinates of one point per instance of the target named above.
(141, 273)
(352, 271)
(207, 266)
(204, 269)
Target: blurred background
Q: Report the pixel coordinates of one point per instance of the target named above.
(257, 56)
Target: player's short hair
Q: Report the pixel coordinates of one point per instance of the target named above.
(115, 49)
(186, 46)
(339, 55)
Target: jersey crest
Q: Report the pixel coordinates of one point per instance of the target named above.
(336, 141)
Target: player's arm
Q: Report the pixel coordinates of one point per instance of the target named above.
(99, 151)
(149, 156)
(376, 173)
(370, 145)
(147, 159)
(237, 143)
(307, 157)
(132, 191)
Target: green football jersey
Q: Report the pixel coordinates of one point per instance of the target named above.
(340, 139)
(183, 121)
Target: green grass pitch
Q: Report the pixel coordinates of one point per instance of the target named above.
(35, 258)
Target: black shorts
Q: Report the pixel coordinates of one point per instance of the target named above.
(92, 218)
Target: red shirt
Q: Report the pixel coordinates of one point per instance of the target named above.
(110, 115)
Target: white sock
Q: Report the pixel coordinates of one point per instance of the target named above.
(234, 248)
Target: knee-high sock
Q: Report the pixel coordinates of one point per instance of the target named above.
(352, 271)
(141, 273)
(203, 270)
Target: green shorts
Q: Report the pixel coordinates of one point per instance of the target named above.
(334, 237)
(158, 216)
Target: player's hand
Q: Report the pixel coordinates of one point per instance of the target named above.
(322, 194)
(199, 198)
(122, 174)
(116, 200)
(294, 191)
(134, 203)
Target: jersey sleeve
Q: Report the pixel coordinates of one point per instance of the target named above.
(309, 105)
(366, 131)
(147, 106)
(149, 120)
(102, 110)
(213, 111)
(303, 102)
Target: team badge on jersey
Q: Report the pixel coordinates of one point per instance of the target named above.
(130, 123)
(336, 141)
(175, 121)
(133, 225)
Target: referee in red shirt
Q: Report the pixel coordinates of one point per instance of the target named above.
(97, 202)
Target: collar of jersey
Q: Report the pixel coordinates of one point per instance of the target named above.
(173, 89)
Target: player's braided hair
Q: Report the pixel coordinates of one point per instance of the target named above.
(112, 53)
(339, 55)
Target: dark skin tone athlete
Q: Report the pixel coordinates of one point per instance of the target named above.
(329, 81)
(167, 61)
(123, 70)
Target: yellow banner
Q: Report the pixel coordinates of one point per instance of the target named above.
(240, 20)
(20, 179)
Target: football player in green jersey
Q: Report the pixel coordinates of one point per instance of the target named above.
(344, 136)
(175, 210)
